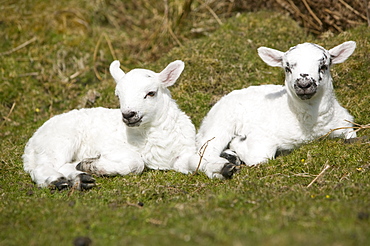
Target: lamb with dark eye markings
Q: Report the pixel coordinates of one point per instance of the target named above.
(252, 125)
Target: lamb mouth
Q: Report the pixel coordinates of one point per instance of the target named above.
(305, 93)
(132, 123)
(306, 96)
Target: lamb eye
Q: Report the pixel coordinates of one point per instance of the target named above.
(287, 69)
(323, 68)
(150, 94)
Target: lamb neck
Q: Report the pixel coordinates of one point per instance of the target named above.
(315, 112)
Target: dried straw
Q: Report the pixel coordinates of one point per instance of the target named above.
(201, 152)
(319, 175)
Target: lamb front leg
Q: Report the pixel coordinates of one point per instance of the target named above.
(74, 178)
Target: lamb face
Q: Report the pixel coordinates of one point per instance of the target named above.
(159, 135)
(271, 119)
(306, 69)
(140, 97)
(307, 66)
(142, 93)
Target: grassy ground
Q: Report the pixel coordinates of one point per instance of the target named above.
(63, 65)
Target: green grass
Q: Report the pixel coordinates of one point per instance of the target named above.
(265, 205)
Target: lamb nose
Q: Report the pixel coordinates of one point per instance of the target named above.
(128, 115)
(304, 84)
(304, 75)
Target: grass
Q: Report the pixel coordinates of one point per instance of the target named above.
(265, 205)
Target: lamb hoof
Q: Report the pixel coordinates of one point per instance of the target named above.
(61, 183)
(228, 170)
(86, 165)
(80, 167)
(232, 157)
(86, 182)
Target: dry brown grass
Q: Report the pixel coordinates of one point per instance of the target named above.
(327, 15)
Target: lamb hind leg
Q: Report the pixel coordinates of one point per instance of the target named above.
(254, 149)
(87, 165)
(113, 163)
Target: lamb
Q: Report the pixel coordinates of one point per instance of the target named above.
(148, 130)
(254, 124)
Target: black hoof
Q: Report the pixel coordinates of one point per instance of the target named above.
(61, 183)
(85, 181)
(85, 166)
(232, 157)
(229, 169)
(79, 166)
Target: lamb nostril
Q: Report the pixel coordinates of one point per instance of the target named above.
(128, 115)
(304, 75)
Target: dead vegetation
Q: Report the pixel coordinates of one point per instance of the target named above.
(135, 32)
(317, 16)
(327, 15)
(170, 23)
(145, 29)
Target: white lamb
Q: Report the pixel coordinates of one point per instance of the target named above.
(148, 130)
(256, 123)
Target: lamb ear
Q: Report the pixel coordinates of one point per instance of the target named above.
(272, 57)
(116, 71)
(341, 52)
(171, 73)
